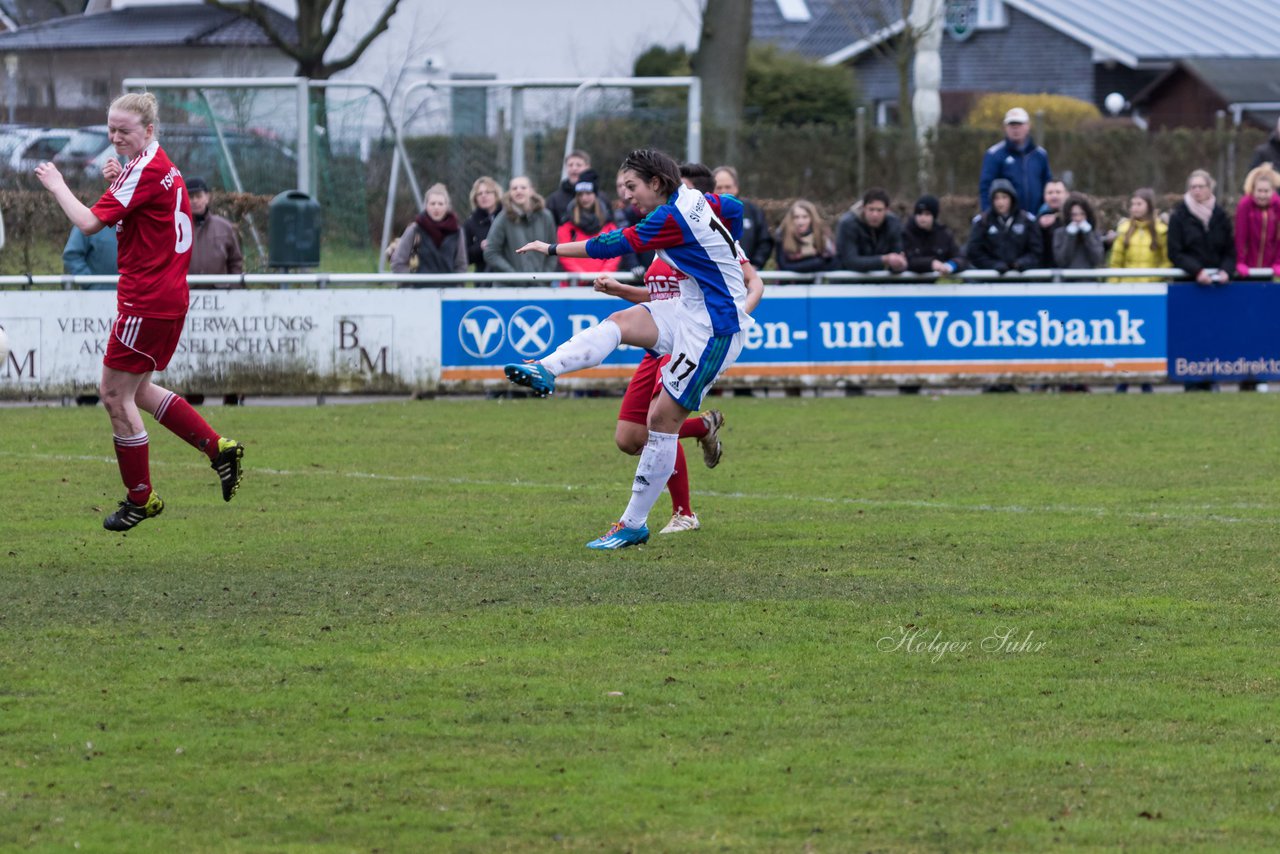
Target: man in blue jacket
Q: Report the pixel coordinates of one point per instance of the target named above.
(1019, 161)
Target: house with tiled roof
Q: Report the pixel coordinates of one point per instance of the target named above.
(1086, 49)
(69, 65)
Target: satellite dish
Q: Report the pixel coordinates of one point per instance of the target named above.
(1115, 103)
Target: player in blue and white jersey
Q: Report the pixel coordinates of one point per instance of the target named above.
(702, 331)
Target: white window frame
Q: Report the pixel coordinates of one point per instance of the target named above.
(991, 15)
(794, 11)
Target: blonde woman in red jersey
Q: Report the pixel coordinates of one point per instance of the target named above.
(147, 205)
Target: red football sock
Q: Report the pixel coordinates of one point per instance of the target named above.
(693, 428)
(135, 469)
(176, 415)
(678, 485)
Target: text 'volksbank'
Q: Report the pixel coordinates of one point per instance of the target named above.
(987, 328)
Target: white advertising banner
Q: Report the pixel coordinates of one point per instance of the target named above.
(266, 341)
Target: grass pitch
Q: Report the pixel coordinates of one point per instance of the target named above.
(970, 623)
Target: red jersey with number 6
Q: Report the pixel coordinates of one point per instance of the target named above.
(148, 206)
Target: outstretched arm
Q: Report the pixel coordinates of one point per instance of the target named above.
(568, 250)
(614, 288)
(76, 211)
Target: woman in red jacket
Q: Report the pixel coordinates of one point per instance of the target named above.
(586, 217)
(1258, 222)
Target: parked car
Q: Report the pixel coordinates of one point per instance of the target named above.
(24, 150)
(86, 152)
(264, 165)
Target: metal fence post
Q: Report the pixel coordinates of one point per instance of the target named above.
(860, 143)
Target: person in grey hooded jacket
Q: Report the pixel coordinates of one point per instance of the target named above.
(524, 218)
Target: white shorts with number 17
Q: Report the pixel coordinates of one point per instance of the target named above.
(698, 356)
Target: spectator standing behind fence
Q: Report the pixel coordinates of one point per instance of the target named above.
(1200, 235)
(1018, 160)
(1269, 151)
(1258, 222)
(558, 202)
(1142, 240)
(433, 242)
(1078, 244)
(756, 241)
(91, 255)
(929, 245)
(804, 242)
(215, 247)
(869, 238)
(587, 216)
(523, 219)
(485, 203)
(1005, 237)
(1049, 216)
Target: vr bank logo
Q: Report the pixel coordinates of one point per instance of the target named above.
(482, 333)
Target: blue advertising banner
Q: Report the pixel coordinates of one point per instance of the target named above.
(809, 332)
(1224, 333)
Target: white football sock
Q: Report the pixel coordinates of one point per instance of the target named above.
(657, 462)
(585, 350)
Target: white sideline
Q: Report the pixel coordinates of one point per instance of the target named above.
(1194, 513)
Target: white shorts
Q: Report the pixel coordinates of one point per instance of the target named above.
(698, 356)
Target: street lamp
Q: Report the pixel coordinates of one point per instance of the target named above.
(11, 88)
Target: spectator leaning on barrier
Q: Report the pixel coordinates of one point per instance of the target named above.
(1269, 151)
(558, 202)
(91, 255)
(1049, 216)
(215, 247)
(1258, 222)
(486, 201)
(587, 217)
(433, 242)
(523, 219)
(929, 245)
(1018, 160)
(1078, 244)
(1005, 237)
(804, 242)
(1142, 239)
(869, 238)
(756, 241)
(1200, 235)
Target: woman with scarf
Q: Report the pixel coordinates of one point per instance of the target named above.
(1200, 235)
(433, 241)
(585, 217)
(804, 241)
(1258, 222)
(1142, 240)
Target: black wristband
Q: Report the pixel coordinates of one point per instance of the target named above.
(551, 249)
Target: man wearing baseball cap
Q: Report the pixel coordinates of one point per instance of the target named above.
(1018, 160)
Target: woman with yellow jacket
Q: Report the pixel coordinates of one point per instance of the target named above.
(1142, 240)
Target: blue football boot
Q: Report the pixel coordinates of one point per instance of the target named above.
(619, 537)
(531, 374)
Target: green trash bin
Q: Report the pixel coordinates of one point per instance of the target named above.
(294, 234)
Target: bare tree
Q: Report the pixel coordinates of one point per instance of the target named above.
(314, 36)
(721, 60)
(25, 12)
(890, 27)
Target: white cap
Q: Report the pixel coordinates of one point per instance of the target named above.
(1017, 116)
